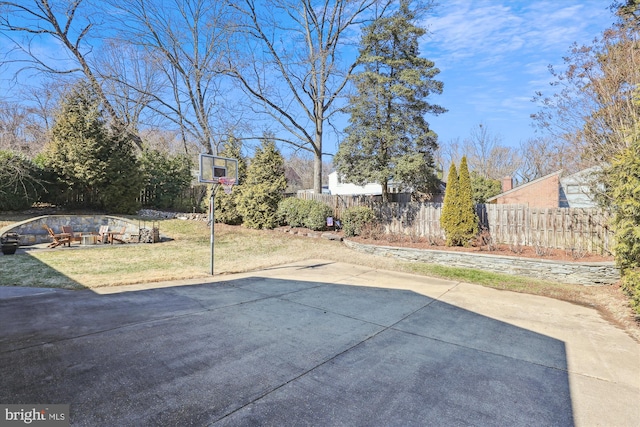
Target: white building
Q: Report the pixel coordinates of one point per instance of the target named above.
(338, 187)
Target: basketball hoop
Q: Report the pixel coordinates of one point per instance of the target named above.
(227, 183)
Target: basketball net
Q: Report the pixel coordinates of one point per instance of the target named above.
(227, 184)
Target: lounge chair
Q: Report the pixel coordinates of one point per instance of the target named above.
(103, 234)
(58, 239)
(118, 236)
(73, 237)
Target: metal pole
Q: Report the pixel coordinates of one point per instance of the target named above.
(212, 211)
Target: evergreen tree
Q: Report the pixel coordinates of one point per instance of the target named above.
(459, 219)
(226, 205)
(388, 136)
(99, 165)
(166, 177)
(263, 187)
(468, 219)
(625, 170)
(484, 188)
(450, 210)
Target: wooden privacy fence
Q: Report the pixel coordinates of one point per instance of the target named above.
(559, 228)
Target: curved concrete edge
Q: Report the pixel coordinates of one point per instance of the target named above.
(32, 233)
(587, 274)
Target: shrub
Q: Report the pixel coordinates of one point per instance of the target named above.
(631, 285)
(459, 219)
(355, 219)
(226, 205)
(316, 218)
(626, 205)
(290, 212)
(304, 213)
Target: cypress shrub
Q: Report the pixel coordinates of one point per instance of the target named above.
(449, 216)
(468, 223)
(459, 218)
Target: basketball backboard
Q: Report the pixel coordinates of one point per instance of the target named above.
(214, 167)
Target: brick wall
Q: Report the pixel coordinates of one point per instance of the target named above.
(544, 193)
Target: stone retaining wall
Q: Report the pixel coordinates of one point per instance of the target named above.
(588, 274)
(31, 231)
(192, 216)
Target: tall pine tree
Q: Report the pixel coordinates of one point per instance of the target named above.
(96, 162)
(388, 136)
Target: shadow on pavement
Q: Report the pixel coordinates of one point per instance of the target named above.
(264, 351)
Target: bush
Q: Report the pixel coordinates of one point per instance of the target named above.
(355, 219)
(631, 285)
(304, 213)
(290, 212)
(316, 218)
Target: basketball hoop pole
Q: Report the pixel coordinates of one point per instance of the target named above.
(212, 210)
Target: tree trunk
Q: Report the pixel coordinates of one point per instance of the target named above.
(385, 192)
(317, 161)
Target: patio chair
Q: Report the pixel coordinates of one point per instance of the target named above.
(58, 239)
(118, 236)
(69, 230)
(103, 234)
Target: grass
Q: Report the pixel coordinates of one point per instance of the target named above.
(187, 256)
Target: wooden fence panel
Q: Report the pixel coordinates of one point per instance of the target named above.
(575, 229)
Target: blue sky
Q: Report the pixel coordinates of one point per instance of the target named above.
(494, 55)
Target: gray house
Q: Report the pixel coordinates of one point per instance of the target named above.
(575, 190)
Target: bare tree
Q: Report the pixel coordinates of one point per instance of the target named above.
(129, 78)
(593, 107)
(487, 156)
(290, 63)
(300, 167)
(24, 126)
(544, 155)
(183, 39)
(448, 153)
(12, 122)
(28, 23)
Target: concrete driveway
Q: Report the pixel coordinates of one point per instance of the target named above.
(316, 343)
